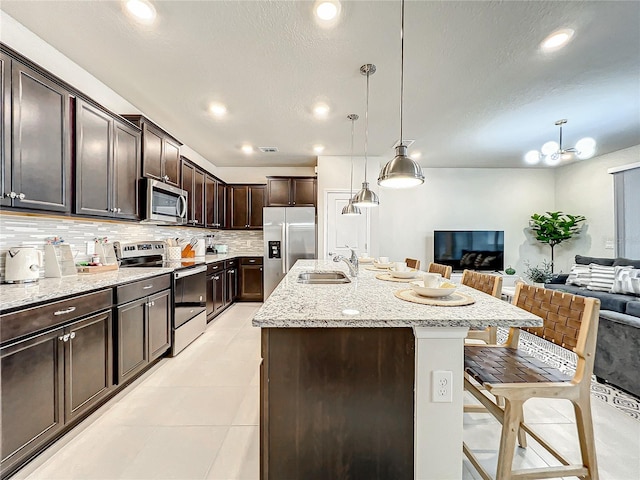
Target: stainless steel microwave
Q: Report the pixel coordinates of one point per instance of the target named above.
(165, 204)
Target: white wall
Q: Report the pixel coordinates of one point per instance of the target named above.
(27, 43)
(259, 174)
(585, 188)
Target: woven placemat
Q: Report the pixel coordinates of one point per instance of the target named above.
(456, 299)
(376, 269)
(390, 278)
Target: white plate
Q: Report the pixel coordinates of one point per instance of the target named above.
(382, 265)
(420, 289)
(407, 274)
(365, 259)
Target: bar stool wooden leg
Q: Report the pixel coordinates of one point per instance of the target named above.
(584, 424)
(510, 428)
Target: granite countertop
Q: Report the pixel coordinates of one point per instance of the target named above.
(298, 305)
(13, 296)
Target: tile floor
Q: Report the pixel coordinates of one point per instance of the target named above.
(196, 417)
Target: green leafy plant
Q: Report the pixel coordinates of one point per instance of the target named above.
(554, 228)
(539, 274)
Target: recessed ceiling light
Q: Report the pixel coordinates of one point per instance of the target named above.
(142, 10)
(248, 149)
(321, 110)
(318, 148)
(327, 10)
(218, 109)
(557, 40)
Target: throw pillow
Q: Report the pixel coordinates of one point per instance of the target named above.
(580, 275)
(602, 278)
(626, 281)
(625, 262)
(598, 260)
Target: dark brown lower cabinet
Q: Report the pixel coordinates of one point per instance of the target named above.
(143, 333)
(337, 403)
(50, 380)
(251, 283)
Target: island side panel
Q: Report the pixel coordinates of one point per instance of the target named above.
(337, 403)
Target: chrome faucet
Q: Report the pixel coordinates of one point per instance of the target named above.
(351, 262)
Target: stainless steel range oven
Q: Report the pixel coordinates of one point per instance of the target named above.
(189, 318)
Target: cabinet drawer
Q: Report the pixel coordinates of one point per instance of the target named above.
(142, 288)
(233, 263)
(251, 261)
(34, 319)
(215, 267)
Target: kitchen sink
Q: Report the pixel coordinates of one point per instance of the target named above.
(329, 277)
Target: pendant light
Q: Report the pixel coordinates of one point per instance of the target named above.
(402, 171)
(365, 198)
(350, 208)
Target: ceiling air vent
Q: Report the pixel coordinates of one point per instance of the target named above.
(268, 149)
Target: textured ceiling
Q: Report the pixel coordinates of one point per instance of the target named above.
(478, 92)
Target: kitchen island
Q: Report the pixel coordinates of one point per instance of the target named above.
(346, 378)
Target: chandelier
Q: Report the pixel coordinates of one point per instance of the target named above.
(552, 153)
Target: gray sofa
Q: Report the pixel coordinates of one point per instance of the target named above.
(618, 348)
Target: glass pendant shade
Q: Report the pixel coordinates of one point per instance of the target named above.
(365, 198)
(401, 171)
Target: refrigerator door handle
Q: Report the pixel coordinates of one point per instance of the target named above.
(287, 247)
(283, 252)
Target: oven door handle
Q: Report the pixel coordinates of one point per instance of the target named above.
(190, 271)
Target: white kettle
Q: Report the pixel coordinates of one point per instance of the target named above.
(22, 265)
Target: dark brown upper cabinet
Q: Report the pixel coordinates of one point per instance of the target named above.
(291, 191)
(107, 164)
(245, 206)
(160, 151)
(193, 181)
(214, 202)
(36, 134)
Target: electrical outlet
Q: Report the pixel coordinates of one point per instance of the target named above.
(441, 386)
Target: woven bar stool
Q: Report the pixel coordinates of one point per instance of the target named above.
(444, 270)
(491, 285)
(506, 372)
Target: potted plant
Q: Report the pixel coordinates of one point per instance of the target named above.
(539, 275)
(554, 228)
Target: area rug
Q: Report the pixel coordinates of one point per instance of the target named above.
(565, 361)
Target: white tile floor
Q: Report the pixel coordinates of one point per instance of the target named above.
(196, 417)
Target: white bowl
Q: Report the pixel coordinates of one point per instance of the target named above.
(365, 259)
(412, 273)
(420, 289)
(382, 265)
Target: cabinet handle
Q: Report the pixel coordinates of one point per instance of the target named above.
(216, 278)
(65, 337)
(119, 210)
(166, 178)
(294, 203)
(73, 335)
(153, 304)
(21, 196)
(260, 268)
(252, 261)
(64, 312)
(148, 287)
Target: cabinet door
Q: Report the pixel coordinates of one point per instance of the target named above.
(88, 363)
(188, 174)
(151, 152)
(133, 351)
(210, 201)
(93, 161)
(232, 286)
(256, 194)
(221, 207)
(41, 142)
(171, 161)
(278, 194)
(210, 296)
(219, 291)
(126, 171)
(303, 192)
(5, 129)
(251, 286)
(239, 206)
(159, 324)
(32, 383)
(198, 198)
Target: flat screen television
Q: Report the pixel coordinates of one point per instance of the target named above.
(469, 249)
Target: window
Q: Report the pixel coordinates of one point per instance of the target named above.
(626, 183)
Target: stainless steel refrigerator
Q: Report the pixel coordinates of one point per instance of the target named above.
(289, 235)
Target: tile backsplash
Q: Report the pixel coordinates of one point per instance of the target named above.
(31, 231)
